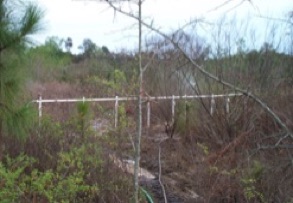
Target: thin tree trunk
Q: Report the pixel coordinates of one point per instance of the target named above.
(1, 141)
(160, 175)
(139, 119)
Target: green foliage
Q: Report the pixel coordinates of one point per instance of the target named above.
(63, 185)
(251, 180)
(122, 119)
(68, 44)
(20, 121)
(185, 116)
(12, 184)
(79, 125)
(59, 166)
(250, 190)
(14, 115)
(16, 26)
(89, 48)
(47, 62)
(114, 84)
(48, 127)
(76, 165)
(256, 170)
(105, 50)
(83, 117)
(51, 51)
(117, 81)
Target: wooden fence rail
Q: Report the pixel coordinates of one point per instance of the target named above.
(116, 99)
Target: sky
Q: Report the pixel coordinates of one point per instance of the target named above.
(80, 19)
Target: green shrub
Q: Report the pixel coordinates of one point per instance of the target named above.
(250, 182)
(69, 183)
(12, 178)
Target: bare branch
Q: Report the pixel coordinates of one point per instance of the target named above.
(226, 3)
(149, 62)
(210, 75)
(275, 19)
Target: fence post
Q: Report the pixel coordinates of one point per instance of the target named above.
(227, 105)
(185, 109)
(40, 108)
(116, 111)
(213, 103)
(173, 108)
(148, 114)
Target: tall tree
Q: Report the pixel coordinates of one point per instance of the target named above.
(88, 47)
(68, 44)
(140, 92)
(18, 21)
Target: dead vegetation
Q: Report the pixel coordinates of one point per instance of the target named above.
(235, 156)
(225, 157)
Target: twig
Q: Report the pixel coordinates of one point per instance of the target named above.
(210, 75)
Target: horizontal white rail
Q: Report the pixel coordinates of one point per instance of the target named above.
(40, 101)
(84, 100)
(133, 98)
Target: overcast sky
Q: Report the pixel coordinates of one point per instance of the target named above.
(81, 19)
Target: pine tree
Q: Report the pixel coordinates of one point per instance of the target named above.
(18, 21)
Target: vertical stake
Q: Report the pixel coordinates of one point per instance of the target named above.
(148, 114)
(116, 111)
(185, 102)
(40, 107)
(213, 103)
(227, 105)
(173, 108)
